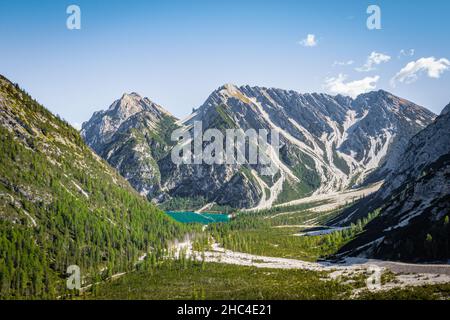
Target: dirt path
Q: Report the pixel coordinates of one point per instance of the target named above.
(405, 274)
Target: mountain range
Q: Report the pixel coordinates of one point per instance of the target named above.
(328, 143)
(414, 201)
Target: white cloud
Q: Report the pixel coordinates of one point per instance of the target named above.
(410, 73)
(373, 59)
(406, 53)
(337, 85)
(343, 63)
(309, 41)
(76, 125)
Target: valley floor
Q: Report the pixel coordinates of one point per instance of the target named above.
(278, 254)
(196, 280)
(403, 274)
(225, 274)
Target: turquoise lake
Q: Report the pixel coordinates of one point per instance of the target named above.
(203, 218)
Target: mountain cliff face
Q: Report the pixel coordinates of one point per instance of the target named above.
(328, 143)
(414, 201)
(61, 204)
(132, 135)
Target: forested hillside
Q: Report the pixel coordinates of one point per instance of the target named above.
(60, 204)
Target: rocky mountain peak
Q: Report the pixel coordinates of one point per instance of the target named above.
(104, 124)
(228, 90)
(127, 105)
(446, 110)
(230, 87)
(132, 103)
(133, 94)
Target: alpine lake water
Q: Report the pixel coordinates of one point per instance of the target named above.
(194, 217)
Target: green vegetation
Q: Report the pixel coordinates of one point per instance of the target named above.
(259, 234)
(61, 205)
(278, 242)
(197, 280)
(159, 139)
(225, 122)
(290, 192)
(186, 279)
(437, 241)
(248, 174)
(166, 126)
(217, 208)
(301, 208)
(303, 168)
(340, 163)
(182, 203)
(428, 292)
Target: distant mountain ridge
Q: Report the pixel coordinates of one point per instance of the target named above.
(329, 143)
(414, 201)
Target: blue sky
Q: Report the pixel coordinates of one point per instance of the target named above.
(177, 52)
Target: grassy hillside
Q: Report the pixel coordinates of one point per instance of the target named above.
(60, 204)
